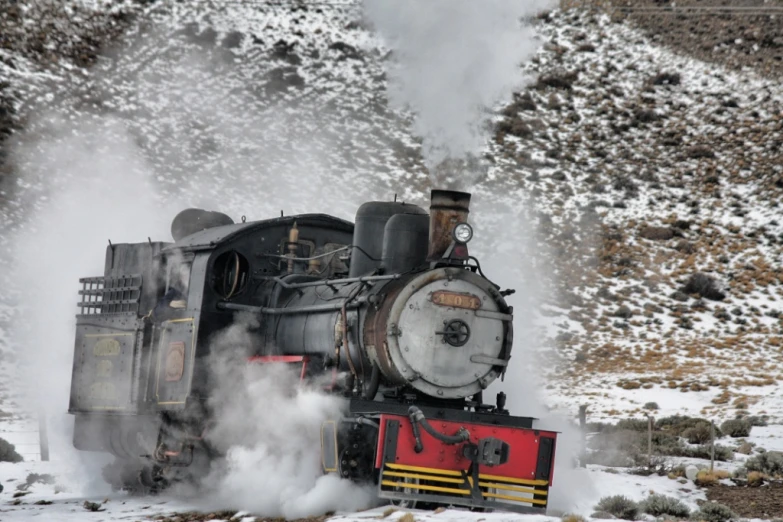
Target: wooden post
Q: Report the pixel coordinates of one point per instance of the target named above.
(649, 440)
(712, 446)
(583, 429)
(43, 436)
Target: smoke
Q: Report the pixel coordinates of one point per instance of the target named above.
(268, 425)
(453, 61)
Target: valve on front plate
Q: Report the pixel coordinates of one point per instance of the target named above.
(456, 333)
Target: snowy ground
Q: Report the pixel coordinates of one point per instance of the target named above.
(67, 505)
(76, 480)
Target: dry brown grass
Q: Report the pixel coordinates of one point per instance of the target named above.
(407, 517)
(710, 478)
(757, 478)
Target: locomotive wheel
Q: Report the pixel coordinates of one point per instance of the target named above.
(356, 455)
(122, 475)
(152, 480)
(350, 465)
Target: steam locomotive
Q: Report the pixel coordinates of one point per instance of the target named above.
(392, 310)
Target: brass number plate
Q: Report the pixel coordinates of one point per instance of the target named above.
(455, 300)
(175, 361)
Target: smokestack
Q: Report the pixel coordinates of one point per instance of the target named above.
(447, 208)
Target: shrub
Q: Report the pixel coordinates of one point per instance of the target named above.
(710, 478)
(8, 452)
(722, 453)
(650, 406)
(663, 439)
(677, 424)
(611, 459)
(658, 505)
(632, 424)
(666, 78)
(770, 462)
(671, 422)
(656, 233)
(598, 427)
(677, 471)
(623, 440)
(619, 506)
(698, 434)
(573, 518)
(705, 286)
(705, 478)
(756, 478)
(757, 420)
(736, 428)
(714, 512)
(557, 81)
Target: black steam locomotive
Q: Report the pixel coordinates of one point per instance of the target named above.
(393, 308)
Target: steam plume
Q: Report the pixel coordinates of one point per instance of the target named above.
(269, 427)
(453, 60)
(509, 234)
(92, 187)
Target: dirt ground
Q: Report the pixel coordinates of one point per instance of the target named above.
(733, 40)
(750, 502)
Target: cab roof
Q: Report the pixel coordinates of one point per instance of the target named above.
(212, 237)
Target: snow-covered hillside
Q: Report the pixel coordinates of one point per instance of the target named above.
(619, 173)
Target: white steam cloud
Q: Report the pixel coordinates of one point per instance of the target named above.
(508, 233)
(268, 424)
(92, 186)
(453, 60)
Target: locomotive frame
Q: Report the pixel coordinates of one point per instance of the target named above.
(393, 306)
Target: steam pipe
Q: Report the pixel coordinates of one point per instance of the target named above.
(375, 382)
(363, 421)
(418, 447)
(417, 417)
(275, 297)
(263, 310)
(346, 346)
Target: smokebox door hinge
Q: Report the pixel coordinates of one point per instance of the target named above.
(394, 330)
(486, 359)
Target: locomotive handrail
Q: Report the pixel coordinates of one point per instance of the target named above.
(101, 291)
(101, 304)
(326, 282)
(301, 259)
(263, 310)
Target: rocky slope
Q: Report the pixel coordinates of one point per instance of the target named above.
(652, 167)
(749, 37)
